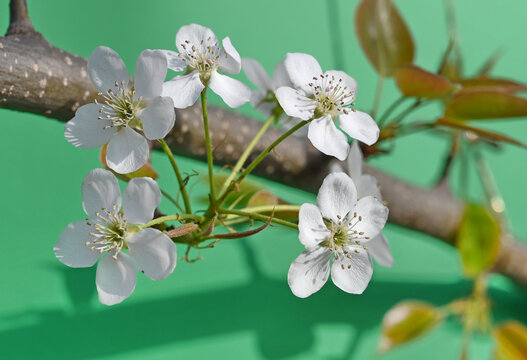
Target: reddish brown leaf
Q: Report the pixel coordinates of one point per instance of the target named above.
(383, 35)
(480, 132)
(414, 81)
(452, 63)
(475, 104)
(492, 84)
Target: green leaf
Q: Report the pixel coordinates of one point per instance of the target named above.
(475, 104)
(414, 81)
(383, 35)
(511, 339)
(478, 240)
(263, 198)
(407, 321)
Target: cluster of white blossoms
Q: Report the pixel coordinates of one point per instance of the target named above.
(346, 224)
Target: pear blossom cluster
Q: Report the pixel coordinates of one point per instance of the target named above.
(342, 232)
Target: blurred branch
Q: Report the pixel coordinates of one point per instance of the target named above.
(39, 78)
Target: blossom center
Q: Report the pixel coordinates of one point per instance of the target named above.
(343, 235)
(331, 95)
(109, 232)
(120, 106)
(202, 57)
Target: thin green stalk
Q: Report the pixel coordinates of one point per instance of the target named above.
(264, 153)
(182, 188)
(378, 96)
(177, 217)
(407, 111)
(208, 143)
(172, 200)
(212, 209)
(259, 217)
(246, 153)
(390, 109)
(276, 208)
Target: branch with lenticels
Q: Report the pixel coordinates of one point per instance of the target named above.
(39, 78)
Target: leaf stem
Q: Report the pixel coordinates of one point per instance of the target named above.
(182, 184)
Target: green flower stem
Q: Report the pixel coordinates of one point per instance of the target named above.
(390, 109)
(246, 153)
(211, 211)
(270, 148)
(378, 96)
(177, 217)
(208, 143)
(182, 188)
(267, 208)
(257, 216)
(172, 200)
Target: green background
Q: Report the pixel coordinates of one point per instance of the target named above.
(236, 304)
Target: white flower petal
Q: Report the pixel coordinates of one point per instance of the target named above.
(115, 278)
(295, 103)
(301, 69)
(311, 227)
(337, 196)
(71, 249)
(158, 118)
(233, 92)
(256, 73)
(280, 76)
(360, 126)
(352, 275)
(184, 90)
(373, 216)
(309, 272)
(347, 81)
(85, 130)
(140, 199)
(367, 186)
(265, 107)
(379, 248)
(325, 136)
(229, 61)
(355, 162)
(127, 151)
(175, 61)
(106, 67)
(100, 190)
(153, 253)
(194, 34)
(150, 72)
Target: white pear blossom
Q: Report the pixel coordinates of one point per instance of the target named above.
(124, 109)
(202, 57)
(264, 99)
(367, 185)
(324, 97)
(341, 226)
(112, 235)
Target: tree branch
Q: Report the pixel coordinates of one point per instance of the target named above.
(39, 78)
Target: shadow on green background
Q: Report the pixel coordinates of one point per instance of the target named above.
(236, 304)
